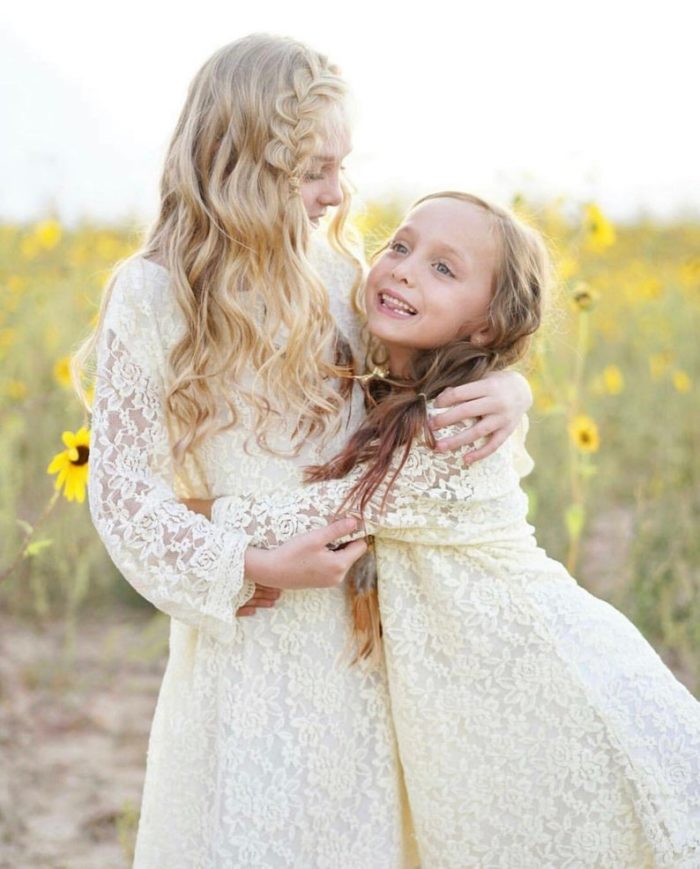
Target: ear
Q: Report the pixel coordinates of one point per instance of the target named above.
(481, 336)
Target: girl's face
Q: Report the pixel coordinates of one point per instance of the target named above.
(320, 188)
(434, 281)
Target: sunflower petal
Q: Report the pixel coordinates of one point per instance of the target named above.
(58, 462)
(70, 488)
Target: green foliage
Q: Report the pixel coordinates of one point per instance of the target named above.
(622, 349)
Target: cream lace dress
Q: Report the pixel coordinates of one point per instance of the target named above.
(537, 729)
(266, 749)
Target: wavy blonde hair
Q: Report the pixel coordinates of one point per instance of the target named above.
(234, 236)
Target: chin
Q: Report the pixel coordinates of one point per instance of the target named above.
(375, 327)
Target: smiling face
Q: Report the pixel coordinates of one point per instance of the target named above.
(434, 282)
(321, 188)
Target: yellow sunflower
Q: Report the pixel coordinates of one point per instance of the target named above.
(71, 465)
(681, 381)
(600, 233)
(584, 297)
(613, 380)
(48, 233)
(584, 433)
(61, 372)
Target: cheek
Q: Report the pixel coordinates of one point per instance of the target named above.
(444, 322)
(308, 196)
(373, 281)
(380, 271)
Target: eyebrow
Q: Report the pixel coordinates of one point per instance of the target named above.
(441, 245)
(329, 158)
(452, 250)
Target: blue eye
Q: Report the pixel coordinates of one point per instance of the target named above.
(444, 269)
(397, 246)
(310, 176)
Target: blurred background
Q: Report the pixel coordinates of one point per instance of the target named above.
(580, 116)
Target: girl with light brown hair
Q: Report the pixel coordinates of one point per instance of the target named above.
(224, 349)
(535, 726)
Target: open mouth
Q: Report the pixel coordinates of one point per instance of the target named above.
(393, 304)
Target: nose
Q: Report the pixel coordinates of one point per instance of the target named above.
(401, 271)
(332, 193)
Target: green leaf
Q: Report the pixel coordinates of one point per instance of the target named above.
(532, 504)
(36, 547)
(587, 470)
(25, 526)
(575, 517)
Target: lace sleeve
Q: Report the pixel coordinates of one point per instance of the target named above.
(421, 497)
(522, 460)
(183, 564)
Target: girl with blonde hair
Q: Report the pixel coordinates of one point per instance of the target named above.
(536, 727)
(223, 354)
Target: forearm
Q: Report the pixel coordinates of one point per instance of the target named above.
(177, 560)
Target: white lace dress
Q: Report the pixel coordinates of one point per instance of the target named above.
(266, 749)
(537, 729)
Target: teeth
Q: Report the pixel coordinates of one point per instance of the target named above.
(396, 304)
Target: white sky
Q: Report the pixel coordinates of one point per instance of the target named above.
(585, 99)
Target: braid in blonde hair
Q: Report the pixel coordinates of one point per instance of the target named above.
(233, 234)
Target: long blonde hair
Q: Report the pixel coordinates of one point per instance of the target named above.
(233, 235)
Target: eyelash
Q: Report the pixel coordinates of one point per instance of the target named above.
(311, 176)
(448, 269)
(393, 245)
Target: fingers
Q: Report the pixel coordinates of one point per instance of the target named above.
(462, 413)
(263, 597)
(265, 592)
(456, 394)
(341, 560)
(491, 445)
(334, 530)
(349, 555)
(259, 603)
(483, 429)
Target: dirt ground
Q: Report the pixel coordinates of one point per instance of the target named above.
(74, 719)
(74, 722)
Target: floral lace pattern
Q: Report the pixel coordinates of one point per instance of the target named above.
(536, 726)
(267, 749)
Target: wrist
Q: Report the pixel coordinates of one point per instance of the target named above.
(257, 565)
(517, 388)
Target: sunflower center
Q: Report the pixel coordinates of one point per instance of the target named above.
(83, 455)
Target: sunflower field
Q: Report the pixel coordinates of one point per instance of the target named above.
(614, 428)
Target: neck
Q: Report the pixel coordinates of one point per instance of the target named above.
(399, 361)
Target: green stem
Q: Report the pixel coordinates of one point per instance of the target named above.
(7, 571)
(575, 481)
